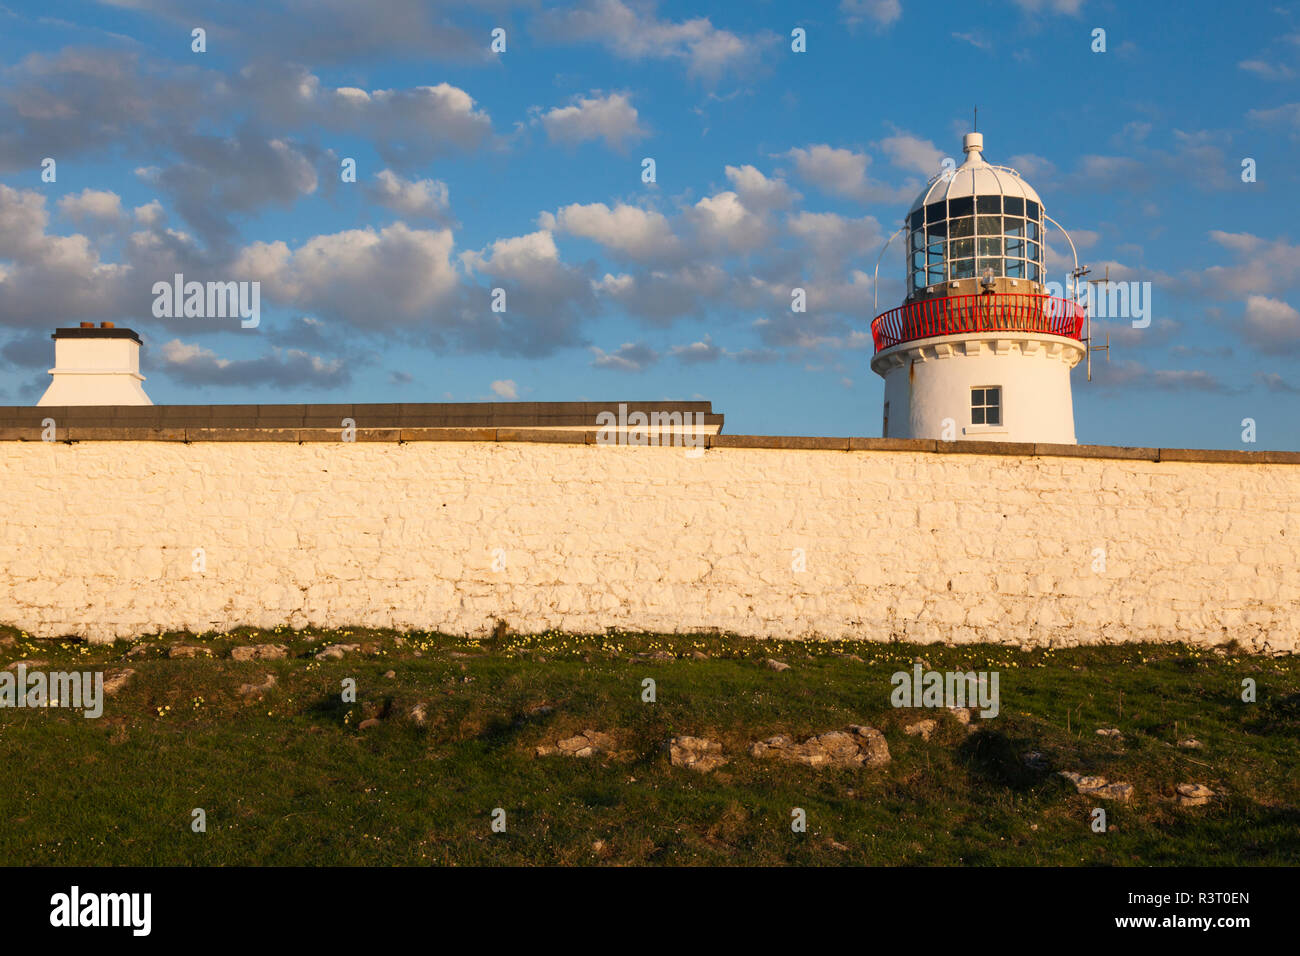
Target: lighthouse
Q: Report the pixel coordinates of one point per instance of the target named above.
(978, 351)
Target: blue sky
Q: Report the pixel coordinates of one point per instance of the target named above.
(522, 171)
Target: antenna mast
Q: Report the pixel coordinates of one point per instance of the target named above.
(1088, 313)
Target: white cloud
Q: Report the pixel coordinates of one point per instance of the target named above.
(911, 152)
(1267, 71)
(841, 172)
(723, 222)
(636, 33)
(880, 12)
(759, 192)
(1271, 324)
(92, 205)
(629, 357)
(396, 276)
(416, 199)
(697, 352)
(506, 388)
(612, 118)
(638, 233)
(1068, 7)
(151, 214)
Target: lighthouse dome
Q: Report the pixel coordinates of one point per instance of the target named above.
(972, 221)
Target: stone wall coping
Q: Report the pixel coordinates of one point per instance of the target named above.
(320, 433)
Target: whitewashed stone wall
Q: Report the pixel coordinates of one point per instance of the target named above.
(99, 540)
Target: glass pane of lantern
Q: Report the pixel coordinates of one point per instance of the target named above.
(1031, 271)
(935, 275)
(1031, 230)
(961, 207)
(937, 230)
(1031, 209)
(961, 227)
(986, 264)
(915, 220)
(1015, 247)
(936, 212)
(963, 269)
(1013, 205)
(1015, 269)
(934, 254)
(989, 225)
(1032, 250)
(988, 204)
(918, 260)
(918, 239)
(990, 247)
(1014, 227)
(961, 248)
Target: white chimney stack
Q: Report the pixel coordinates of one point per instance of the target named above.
(95, 366)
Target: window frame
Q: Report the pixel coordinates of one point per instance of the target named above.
(984, 406)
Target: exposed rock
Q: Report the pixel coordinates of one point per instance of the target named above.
(658, 656)
(368, 723)
(259, 652)
(390, 674)
(836, 845)
(1190, 743)
(856, 747)
(597, 846)
(335, 652)
(1109, 732)
(699, 655)
(29, 663)
(119, 680)
(538, 710)
(188, 650)
(776, 665)
(247, 690)
(1098, 787)
(1193, 794)
(586, 744)
(922, 729)
(139, 650)
(697, 753)
(961, 714)
(420, 714)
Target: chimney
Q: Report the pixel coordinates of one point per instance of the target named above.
(95, 366)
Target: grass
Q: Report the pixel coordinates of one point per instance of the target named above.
(288, 778)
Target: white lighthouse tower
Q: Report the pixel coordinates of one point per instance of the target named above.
(978, 350)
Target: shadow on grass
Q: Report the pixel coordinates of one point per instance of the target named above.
(991, 757)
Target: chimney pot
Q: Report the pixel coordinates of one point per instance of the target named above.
(87, 325)
(106, 325)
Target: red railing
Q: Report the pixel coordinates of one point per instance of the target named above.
(992, 312)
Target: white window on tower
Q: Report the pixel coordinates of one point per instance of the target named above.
(986, 405)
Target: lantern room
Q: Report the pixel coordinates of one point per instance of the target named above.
(978, 350)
